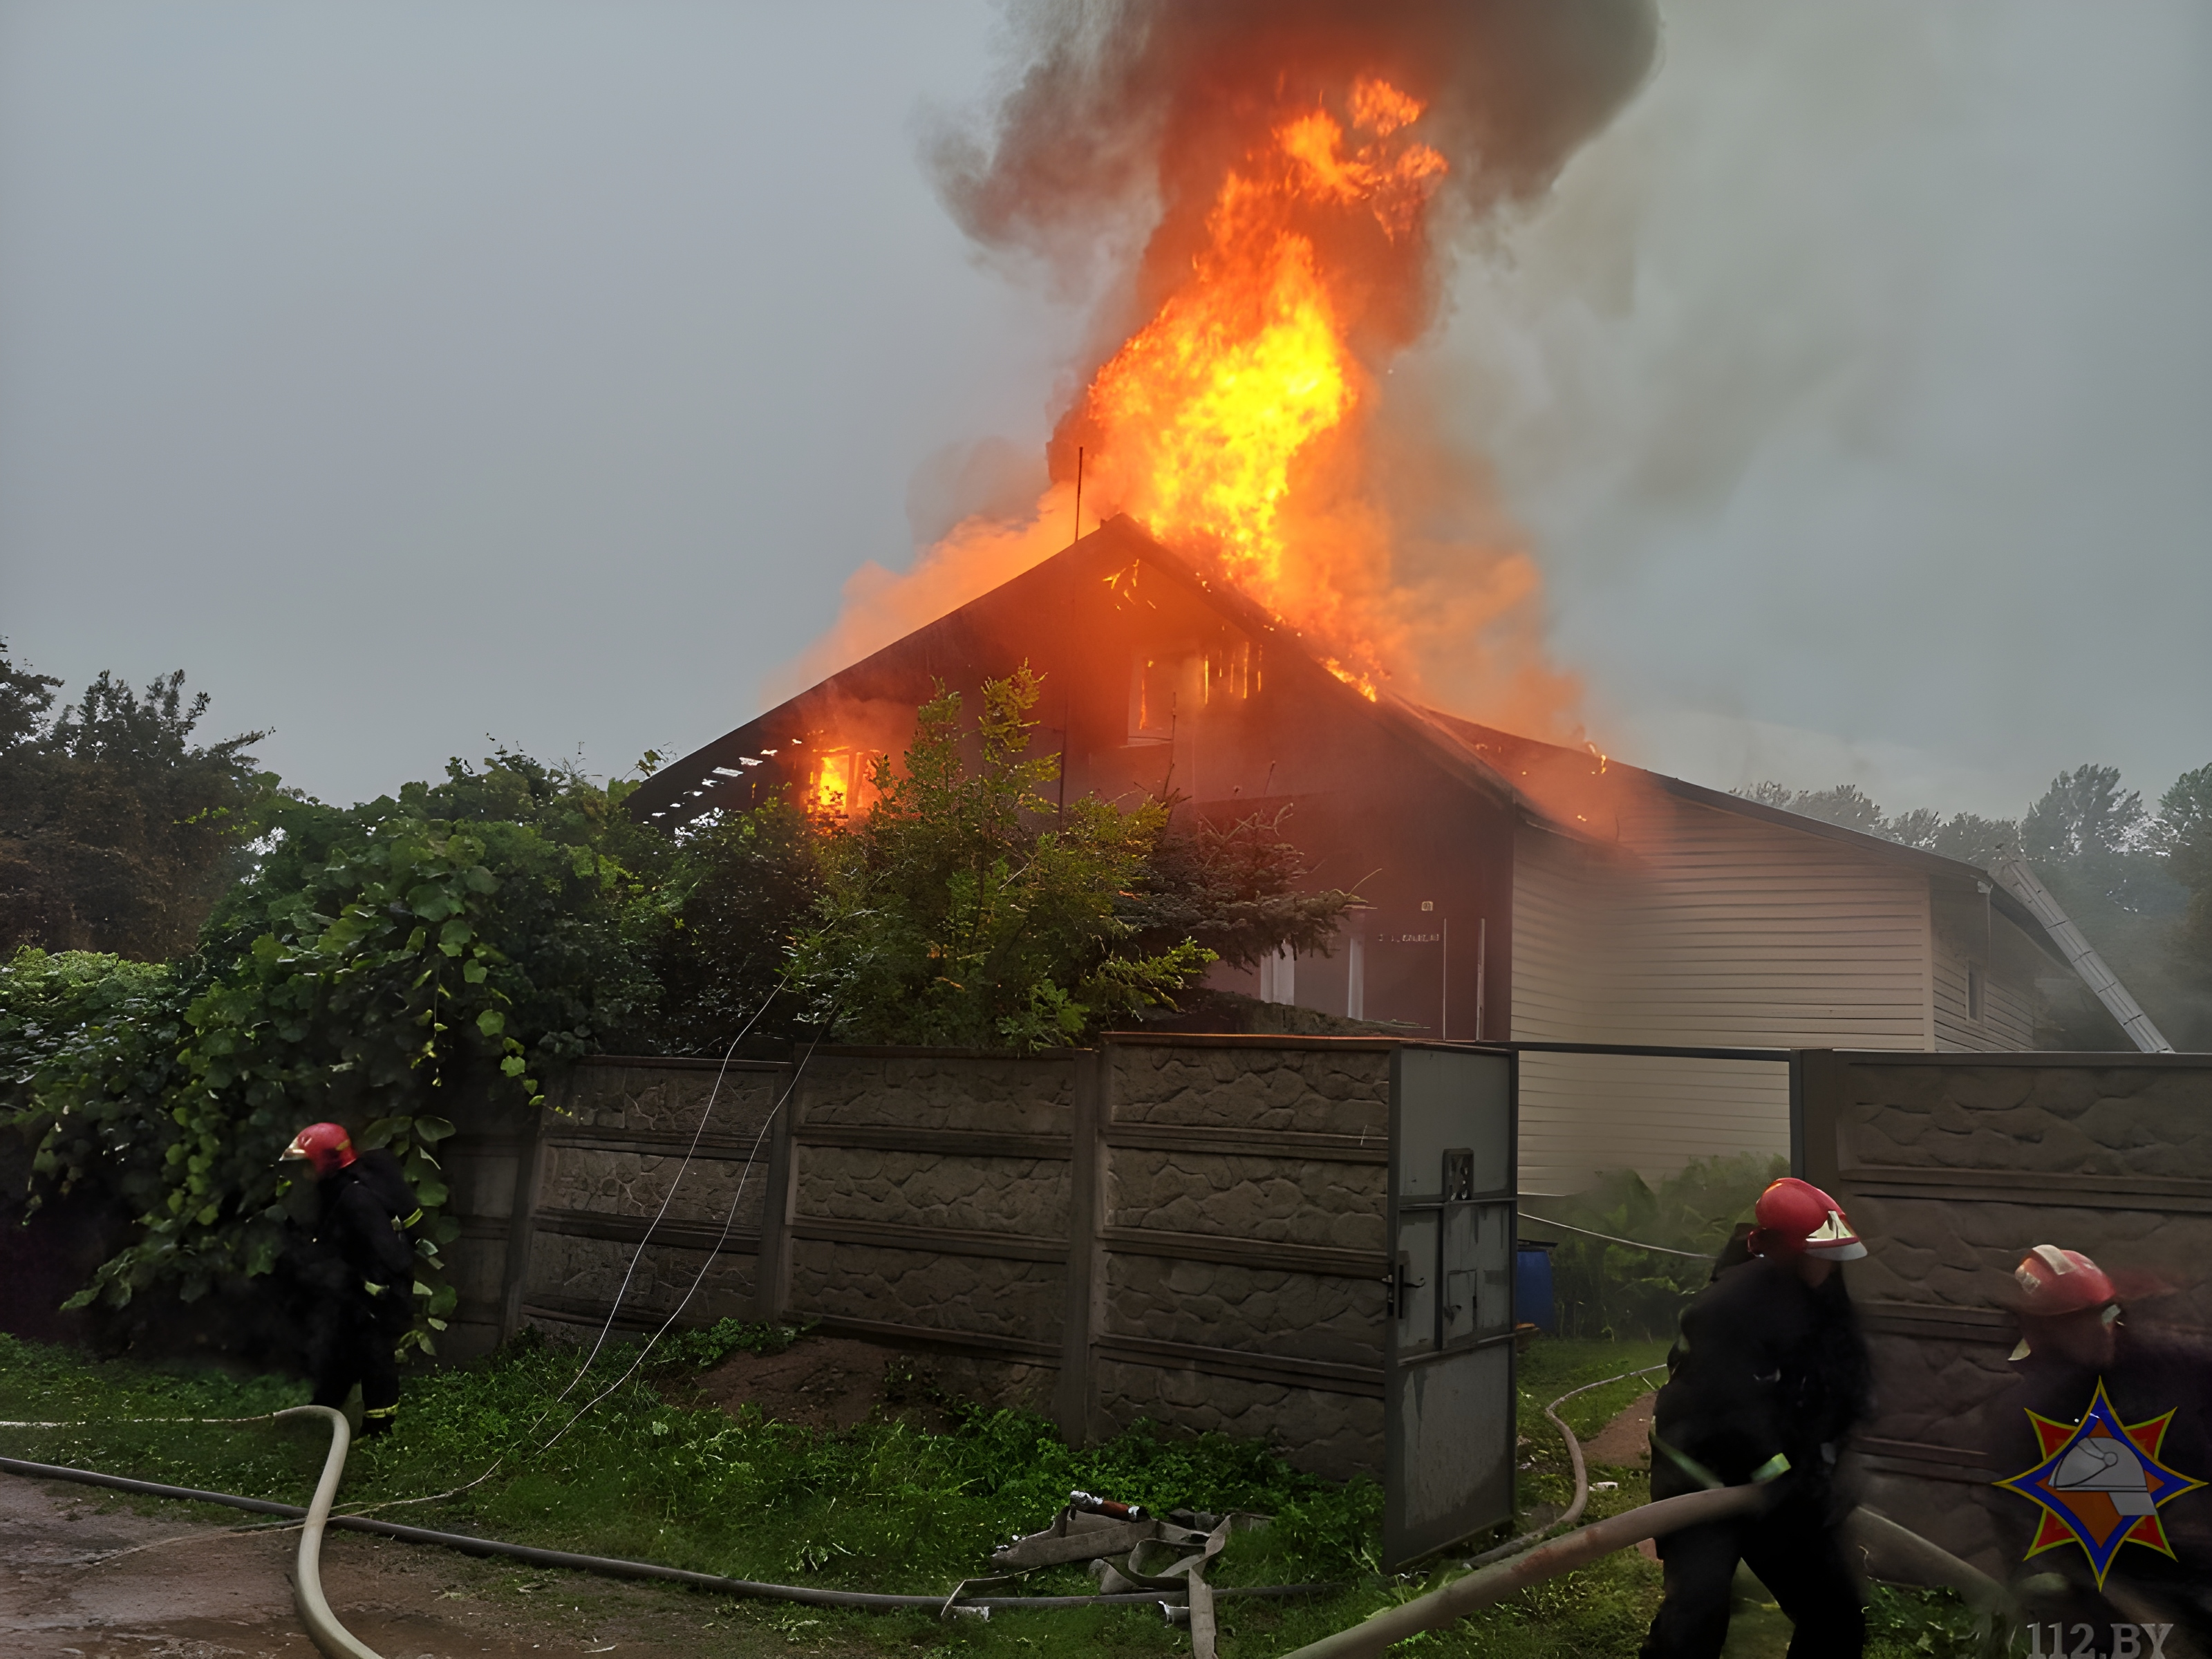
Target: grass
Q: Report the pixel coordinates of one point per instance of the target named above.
(883, 1506)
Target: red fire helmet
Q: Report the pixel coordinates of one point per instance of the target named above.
(2055, 1283)
(1795, 1217)
(327, 1146)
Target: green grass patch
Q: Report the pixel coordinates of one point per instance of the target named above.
(883, 1506)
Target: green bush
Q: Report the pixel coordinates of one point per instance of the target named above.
(379, 962)
(963, 909)
(1610, 1289)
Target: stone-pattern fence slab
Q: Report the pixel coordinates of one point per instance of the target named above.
(1185, 1229)
(1951, 1167)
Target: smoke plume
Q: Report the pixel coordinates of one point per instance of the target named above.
(1263, 199)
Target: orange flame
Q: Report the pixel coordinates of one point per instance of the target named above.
(1203, 415)
(1242, 423)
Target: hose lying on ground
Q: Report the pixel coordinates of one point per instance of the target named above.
(332, 1638)
(1574, 1511)
(615, 1568)
(1442, 1607)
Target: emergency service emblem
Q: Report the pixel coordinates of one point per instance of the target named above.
(2101, 1483)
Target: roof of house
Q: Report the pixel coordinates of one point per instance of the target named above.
(1525, 772)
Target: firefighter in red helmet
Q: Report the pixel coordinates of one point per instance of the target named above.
(1768, 1375)
(358, 1270)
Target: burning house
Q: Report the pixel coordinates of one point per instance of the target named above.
(1278, 188)
(1514, 891)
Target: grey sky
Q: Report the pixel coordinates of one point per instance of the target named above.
(410, 373)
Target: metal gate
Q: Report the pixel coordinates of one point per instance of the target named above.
(1448, 1395)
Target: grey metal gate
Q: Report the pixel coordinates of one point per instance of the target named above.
(1448, 1426)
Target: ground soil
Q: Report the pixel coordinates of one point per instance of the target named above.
(91, 1575)
(192, 1588)
(822, 1382)
(1624, 1442)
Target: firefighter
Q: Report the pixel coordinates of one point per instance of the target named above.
(359, 1272)
(1767, 1376)
(2075, 1330)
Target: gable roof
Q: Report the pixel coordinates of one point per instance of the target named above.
(1523, 772)
(904, 670)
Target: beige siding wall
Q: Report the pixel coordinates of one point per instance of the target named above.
(2007, 1021)
(1970, 934)
(1702, 927)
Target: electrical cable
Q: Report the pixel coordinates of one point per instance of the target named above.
(700, 1277)
(1633, 1244)
(636, 1256)
(668, 1197)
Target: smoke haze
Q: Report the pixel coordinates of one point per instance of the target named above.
(1264, 199)
(412, 373)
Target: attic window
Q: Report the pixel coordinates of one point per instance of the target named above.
(841, 780)
(1973, 993)
(1153, 679)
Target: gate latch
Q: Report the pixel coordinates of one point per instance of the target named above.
(1399, 1282)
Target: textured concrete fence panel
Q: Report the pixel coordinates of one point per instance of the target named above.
(1186, 1229)
(1952, 1166)
(627, 1141)
(925, 1202)
(1238, 1267)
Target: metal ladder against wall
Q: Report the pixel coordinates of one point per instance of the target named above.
(2021, 882)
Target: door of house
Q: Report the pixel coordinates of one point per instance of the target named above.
(1448, 1381)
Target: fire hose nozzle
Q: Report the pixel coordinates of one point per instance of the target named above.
(1093, 1505)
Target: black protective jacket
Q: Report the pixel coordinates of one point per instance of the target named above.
(1766, 1366)
(361, 1245)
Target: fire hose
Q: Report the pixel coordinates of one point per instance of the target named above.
(1869, 1530)
(334, 1639)
(1441, 1607)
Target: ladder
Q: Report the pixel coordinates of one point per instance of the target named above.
(2020, 881)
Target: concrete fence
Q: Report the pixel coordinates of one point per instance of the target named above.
(1185, 1229)
(1951, 1167)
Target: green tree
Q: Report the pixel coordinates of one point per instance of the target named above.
(963, 909)
(89, 1049)
(2098, 850)
(2183, 834)
(117, 829)
(1234, 889)
(1845, 805)
(380, 962)
(1966, 837)
(742, 888)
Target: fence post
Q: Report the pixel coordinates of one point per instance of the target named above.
(1075, 1396)
(772, 1266)
(521, 1221)
(1816, 1105)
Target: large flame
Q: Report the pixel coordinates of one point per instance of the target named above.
(1243, 421)
(1201, 418)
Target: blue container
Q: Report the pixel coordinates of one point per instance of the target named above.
(1532, 1287)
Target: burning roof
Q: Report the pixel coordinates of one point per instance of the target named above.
(1268, 194)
